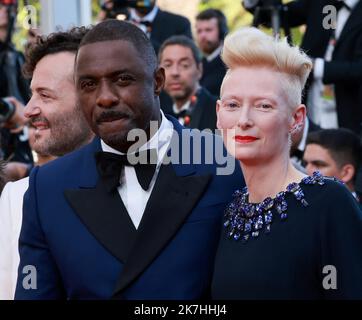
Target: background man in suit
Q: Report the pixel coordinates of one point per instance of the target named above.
(192, 104)
(60, 127)
(156, 23)
(335, 153)
(96, 225)
(211, 29)
(336, 80)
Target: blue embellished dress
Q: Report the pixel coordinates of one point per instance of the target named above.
(306, 243)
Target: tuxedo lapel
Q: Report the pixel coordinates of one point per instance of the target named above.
(172, 200)
(353, 21)
(106, 217)
(103, 213)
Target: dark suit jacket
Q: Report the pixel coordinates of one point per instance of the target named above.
(83, 244)
(313, 126)
(213, 73)
(167, 24)
(203, 115)
(345, 69)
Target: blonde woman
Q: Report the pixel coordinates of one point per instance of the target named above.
(286, 235)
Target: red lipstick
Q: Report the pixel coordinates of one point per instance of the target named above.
(245, 139)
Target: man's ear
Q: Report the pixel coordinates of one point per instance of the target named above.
(347, 173)
(159, 80)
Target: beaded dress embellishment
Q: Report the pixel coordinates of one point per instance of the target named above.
(244, 220)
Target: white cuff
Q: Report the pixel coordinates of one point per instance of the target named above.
(318, 70)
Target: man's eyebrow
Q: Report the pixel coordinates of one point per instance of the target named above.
(39, 89)
(111, 74)
(319, 162)
(186, 59)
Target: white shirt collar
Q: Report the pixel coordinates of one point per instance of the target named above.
(158, 140)
(214, 54)
(184, 107)
(148, 17)
(351, 3)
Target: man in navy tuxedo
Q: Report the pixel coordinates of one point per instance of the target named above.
(97, 225)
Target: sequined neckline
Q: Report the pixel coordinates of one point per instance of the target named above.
(244, 220)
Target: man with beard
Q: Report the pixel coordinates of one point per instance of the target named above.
(192, 104)
(101, 222)
(211, 29)
(60, 128)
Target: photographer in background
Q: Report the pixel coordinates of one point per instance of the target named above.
(156, 23)
(211, 29)
(14, 91)
(336, 79)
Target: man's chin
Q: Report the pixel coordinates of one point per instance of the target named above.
(41, 147)
(115, 141)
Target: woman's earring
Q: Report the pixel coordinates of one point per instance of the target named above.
(296, 128)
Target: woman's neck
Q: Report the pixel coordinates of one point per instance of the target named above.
(267, 180)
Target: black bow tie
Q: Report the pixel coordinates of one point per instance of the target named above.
(110, 166)
(147, 24)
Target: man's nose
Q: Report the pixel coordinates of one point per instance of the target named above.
(107, 97)
(32, 108)
(174, 70)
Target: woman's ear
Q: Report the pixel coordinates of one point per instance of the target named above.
(298, 118)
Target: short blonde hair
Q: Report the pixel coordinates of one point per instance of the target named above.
(248, 47)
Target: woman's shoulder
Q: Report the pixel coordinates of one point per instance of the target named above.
(333, 198)
(332, 187)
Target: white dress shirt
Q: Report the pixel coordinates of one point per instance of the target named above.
(132, 194)
(11, 216)
(214, 54)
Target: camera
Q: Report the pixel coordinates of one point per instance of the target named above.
(269, 13)
(7, 110)
(115, 8)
